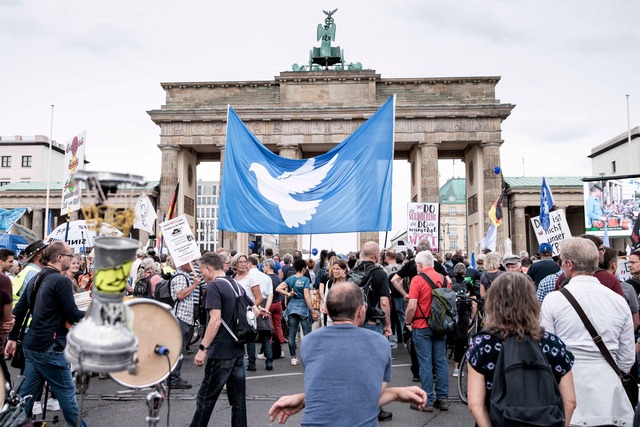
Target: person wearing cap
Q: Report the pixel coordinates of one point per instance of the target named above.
(33, 265)
(512, 263)
(593, 208)
(545, 267)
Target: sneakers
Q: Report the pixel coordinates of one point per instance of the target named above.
(294, 361)
(282, 354)
(456, 372)
(442, 404)
(415, 379)
(37, 408)
(426, 408)
(384, 415)
(180, 385)
(251, 368)
(261, 356)
(53, 404)
(269, 368)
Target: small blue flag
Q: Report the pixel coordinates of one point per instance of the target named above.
(546, 203)
(9, 216)
(347, 189)
(473, 260)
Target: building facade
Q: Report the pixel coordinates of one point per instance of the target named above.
(453, 215)
(26, 159)
(617, 156)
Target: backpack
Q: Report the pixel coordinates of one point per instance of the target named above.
(142, 288)
(361, 276)
(244, 326)
(163, 290)
(525, 391)
(443, 315)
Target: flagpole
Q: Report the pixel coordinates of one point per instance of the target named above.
(629, 138)
(46, 209)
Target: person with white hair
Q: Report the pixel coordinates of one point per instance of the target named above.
(430, 347)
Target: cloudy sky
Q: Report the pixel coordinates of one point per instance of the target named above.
(567, 66)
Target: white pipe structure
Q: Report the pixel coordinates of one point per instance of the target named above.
(46, 209)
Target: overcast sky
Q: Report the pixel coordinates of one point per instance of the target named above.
(567, 66)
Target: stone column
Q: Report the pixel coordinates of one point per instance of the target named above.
(429, 188)
(492, 185)
(168, 177)
(228, 239)
(288, 242)
(368, 236)
(37, 224)
(519, 230)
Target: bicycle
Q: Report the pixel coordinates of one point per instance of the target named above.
(475, 326)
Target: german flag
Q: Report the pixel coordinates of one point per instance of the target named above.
(495, 213)
(170, 214)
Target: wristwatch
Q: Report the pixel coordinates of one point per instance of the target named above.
(201, 347)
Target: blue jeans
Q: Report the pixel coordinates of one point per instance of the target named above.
(398, 303)
(431, 351)
(251, 355)
(52, 367)
(294, 321)
(217, 373)
(186, 331)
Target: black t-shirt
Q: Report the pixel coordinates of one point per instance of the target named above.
(379, 287)
(541, 269)
(221, 296)
(409, 269)
(276, 280)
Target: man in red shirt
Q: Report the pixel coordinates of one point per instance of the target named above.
(430, 347)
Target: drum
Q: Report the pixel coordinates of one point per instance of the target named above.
(613, 222)
(2, 388)
(154, 325)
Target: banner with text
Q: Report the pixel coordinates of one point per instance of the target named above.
(423, 221)
(557, 232)
(73, 161)
(180, 241)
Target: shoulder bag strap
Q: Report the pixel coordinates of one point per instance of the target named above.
(592, 331)
(221, 319)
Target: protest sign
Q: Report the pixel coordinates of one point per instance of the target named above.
(423, 221)
(557, 232)
(180, 241)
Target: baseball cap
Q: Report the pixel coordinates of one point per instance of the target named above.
(545, 248)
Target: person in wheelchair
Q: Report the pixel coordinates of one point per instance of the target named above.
(464, 287)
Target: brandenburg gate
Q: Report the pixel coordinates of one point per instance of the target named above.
(301, 114)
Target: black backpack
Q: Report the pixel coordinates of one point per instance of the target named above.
(243, 328)
(525, 391)
(361, 276)
(142, 288)
(163, 290)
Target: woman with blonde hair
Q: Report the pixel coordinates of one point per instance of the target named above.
(73, 271)
(491, 272)
(513, 311)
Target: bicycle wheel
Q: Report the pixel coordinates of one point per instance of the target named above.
(462, 380)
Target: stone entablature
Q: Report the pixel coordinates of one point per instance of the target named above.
(303, 114)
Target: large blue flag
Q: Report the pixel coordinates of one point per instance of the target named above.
(9, 216)
(546, 203)
(344, 190)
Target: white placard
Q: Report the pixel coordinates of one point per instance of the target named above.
(557, 232)
(73, 161)
(180, 241)
(623, 272)
(423, 220)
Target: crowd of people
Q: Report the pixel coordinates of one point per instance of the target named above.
(369, 302)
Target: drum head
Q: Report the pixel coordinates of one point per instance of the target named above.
(153, 325)
(3, 387)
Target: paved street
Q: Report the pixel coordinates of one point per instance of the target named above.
(107, 403)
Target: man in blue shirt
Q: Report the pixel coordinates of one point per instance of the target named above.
(346, 369)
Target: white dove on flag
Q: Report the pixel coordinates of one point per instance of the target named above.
(278, 190)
